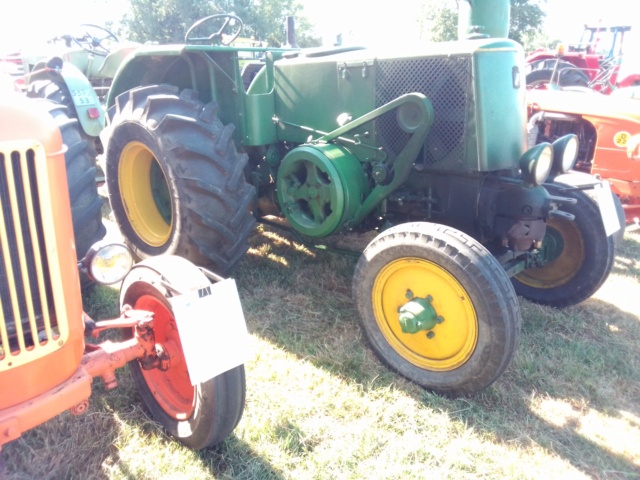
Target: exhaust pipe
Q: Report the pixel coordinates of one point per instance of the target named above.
(483, 19)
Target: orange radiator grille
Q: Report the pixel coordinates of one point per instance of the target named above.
(28, 326)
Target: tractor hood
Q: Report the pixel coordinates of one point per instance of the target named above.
(586, 103)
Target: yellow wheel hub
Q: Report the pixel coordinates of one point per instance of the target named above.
(449, 344)
(569, 252)
(140, 184)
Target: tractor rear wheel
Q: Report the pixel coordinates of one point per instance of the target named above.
(444, 278)
(86, 204)
(175, 180)
(57, 91)
(199, 416)
(579, 255)
(569, 76)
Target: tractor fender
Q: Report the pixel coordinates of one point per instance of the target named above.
(89, 112)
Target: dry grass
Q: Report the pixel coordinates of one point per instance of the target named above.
(320, 406)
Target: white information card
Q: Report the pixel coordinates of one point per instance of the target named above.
(212, 330)
(607, 207)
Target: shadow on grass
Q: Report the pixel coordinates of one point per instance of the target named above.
(585, 356)
(628, 255)
(118, 439)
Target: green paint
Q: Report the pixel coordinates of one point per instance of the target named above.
(418, 315)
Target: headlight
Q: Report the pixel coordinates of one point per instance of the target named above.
(536, 163)
(565, 153)
(107, 262)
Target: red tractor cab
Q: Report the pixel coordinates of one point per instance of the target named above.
(593, 62)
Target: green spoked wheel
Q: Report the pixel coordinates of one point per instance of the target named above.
(175, 179)
(320, 188)
(437, 307)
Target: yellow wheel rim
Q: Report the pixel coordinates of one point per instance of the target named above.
(144, 192)
(568, 260)
(453, 341)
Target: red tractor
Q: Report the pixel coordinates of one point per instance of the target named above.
(593, 62)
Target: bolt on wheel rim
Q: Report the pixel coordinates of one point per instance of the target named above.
(172, 388)
(449, 344)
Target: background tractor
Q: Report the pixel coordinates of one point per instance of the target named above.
(593, 62)
(608, 128)
(426, 149)
(46, 367)
(75, 70)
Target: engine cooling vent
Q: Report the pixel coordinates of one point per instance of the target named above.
(27, 307)
(447, 82)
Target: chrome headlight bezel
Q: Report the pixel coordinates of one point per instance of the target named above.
(536, 164)
(565, 153)
(107, 262)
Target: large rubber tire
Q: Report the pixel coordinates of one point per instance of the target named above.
(175, 180)
(86, 204)
(569, 76)
(474, 344)
(199, 416)
(582, 260)
(57, 92)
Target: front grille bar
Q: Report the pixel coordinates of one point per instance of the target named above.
(26, 297)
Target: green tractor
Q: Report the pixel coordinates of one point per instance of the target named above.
(71, 77)
(427, 147)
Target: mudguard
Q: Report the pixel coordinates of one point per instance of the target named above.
(87, 105)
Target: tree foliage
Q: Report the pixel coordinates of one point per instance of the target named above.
(166, 21)
(439, 20)
(526, 19)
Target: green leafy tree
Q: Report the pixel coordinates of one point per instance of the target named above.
(163, 21)
(526, 20)
(166, 21)
(439, 20)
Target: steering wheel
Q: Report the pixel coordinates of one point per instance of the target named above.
(93, 43)
(216, 38)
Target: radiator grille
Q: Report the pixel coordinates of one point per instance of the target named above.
(447, 82)
(27, 310)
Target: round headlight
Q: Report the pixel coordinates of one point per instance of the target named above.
(536, 163)
(107, 263)
(565, 153)
(543, 165)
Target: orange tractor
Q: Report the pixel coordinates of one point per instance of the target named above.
(46, 367)
(608, 128)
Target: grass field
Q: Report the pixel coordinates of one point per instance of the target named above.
(320, 405)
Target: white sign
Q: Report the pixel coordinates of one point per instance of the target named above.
(607, 207)
(212, 330)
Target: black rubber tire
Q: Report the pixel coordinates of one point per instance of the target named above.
(219, 402)
(496, 313)
(57, 91)
(210, 215)
(569, 76)
(86, 204)
(584, 263)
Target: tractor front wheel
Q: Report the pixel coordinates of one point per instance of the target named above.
(437, 307)
(175, 180)
(579, 255)
(199, 416)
